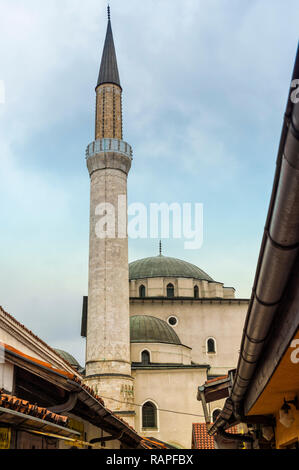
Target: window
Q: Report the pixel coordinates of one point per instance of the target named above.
(196, 292)
(172, 321)
(215, 415)
(211, 346)
(145, 357)
(142, 292)
(149, 415)
(170, 290)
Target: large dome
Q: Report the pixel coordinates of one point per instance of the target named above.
(146, 329)
(162, 266)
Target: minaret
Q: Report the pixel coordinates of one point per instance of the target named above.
(108, 365)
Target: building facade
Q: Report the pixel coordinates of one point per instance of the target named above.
(160, 326)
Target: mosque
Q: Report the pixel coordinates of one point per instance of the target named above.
(155, 329)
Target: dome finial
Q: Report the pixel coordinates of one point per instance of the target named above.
(160, 248)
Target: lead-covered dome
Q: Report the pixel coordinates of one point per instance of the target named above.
(69, 358)
(147, 329)
(163, 266)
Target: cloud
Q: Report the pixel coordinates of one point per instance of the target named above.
(205, 85)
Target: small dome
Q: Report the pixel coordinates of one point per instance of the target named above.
(146, 329)
(69, 358)
(162, 266)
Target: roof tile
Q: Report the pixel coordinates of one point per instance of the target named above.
(22, 406)
(201, 438)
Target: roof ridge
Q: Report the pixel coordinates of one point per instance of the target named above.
(36, 337)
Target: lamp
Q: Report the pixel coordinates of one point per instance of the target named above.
(286, 414)
(267, 433)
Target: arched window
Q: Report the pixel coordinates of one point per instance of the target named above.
(170, 290)
(215, 414)
(196, 292)
(149, 416)
(145, 357)
(142, 292)
(211, 346)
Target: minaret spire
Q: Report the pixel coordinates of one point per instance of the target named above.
(109, 69)
(109, 92)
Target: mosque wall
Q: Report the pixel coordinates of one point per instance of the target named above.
(197, 322)
(162, 353)
(183, 287)
(173, 390)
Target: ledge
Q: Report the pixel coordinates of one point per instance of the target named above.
(215, 300)
(169, 366)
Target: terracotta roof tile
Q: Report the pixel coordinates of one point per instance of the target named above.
(216, 380)
(22, 406)
(152, 444)
(201, 438)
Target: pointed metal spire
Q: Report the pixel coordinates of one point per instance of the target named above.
(160, 248)
(109, 70)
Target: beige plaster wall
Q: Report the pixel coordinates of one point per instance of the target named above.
(173, 390)
(161, 353)
(157, 287)
(197, 322)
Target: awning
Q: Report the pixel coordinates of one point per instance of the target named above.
(30, 423)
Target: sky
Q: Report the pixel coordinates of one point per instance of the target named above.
(205, 85)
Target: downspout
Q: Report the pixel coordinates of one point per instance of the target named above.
(201, 391)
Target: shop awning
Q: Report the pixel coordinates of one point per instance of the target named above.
(27, 423)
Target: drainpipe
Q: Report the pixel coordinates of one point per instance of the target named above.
(204, 404)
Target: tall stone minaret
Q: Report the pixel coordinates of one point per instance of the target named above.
(108, 365)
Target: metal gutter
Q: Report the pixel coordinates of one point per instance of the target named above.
(279, 249)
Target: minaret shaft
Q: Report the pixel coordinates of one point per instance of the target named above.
(108, 365)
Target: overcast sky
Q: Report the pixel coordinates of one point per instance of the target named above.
(205, 84)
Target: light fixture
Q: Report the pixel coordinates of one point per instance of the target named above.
(268, 433)
(286, 414)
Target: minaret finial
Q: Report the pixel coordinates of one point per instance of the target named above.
(108, 10)
(160, 247)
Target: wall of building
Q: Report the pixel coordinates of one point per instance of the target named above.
(161, 353)
(88, 432)
(157, 287)
(197, 322)
(173, 390)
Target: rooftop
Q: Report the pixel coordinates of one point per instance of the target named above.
(109, 69)
(163, 266)
(147, 329)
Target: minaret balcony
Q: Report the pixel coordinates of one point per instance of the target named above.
(109, 145)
